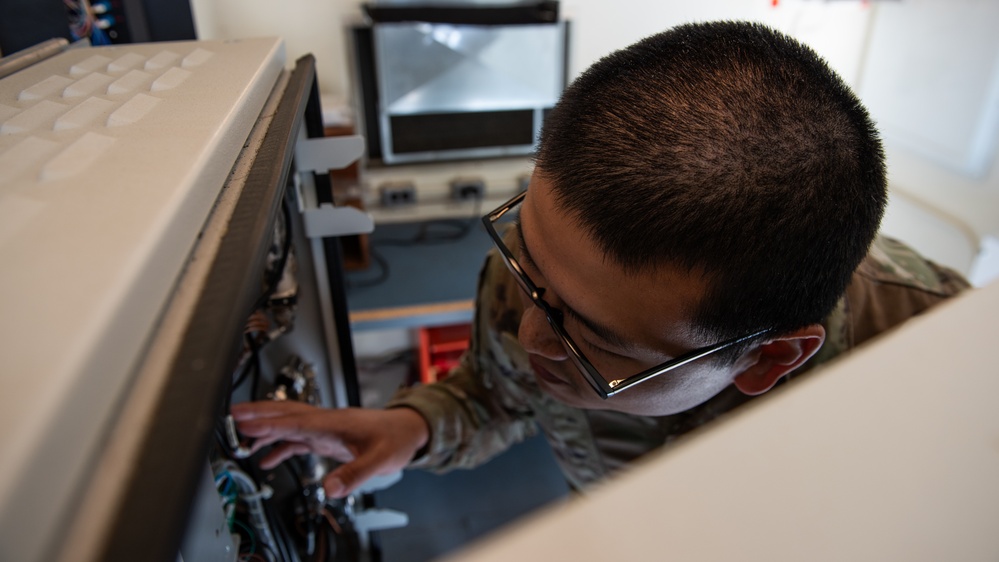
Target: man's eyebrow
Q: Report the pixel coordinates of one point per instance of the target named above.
(601, 331)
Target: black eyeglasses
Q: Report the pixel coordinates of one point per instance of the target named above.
(602, 386)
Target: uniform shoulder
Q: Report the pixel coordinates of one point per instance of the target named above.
(892, 261)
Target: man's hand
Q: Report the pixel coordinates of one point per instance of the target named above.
(368, 442)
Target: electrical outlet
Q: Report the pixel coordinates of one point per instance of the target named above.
(395, 194)
(468, 189)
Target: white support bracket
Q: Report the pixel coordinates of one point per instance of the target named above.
(327, 220)
(322, 154)
(378, 520)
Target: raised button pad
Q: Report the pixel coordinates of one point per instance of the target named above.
(72, 108)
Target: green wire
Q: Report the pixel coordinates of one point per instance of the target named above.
(253, 539)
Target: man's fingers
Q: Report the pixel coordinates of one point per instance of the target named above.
(267, 409)
(308, 423)
(291, 426)
(261, 442)
(281, 453)
(351, 436)
(272, 430)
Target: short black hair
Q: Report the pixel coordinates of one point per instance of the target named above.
(728, 149)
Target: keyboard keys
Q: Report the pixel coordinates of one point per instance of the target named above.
(88, 112)
(24, 156)
(133, 110)
(88, 85)
(162, 60)
(197, 57)
(170, 79)
(40, 115)
(45, 88)
(126, 62)
(88, 65)
(77, 157)
(101, 200)
(134, 81)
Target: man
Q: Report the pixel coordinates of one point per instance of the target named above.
(710, 194)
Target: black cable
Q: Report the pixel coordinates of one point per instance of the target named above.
(280, 533)
(423, 237)
(271, 549)
(272, 281)
(383, 273)
(282, 550)
(252, 369)
(303, 504)
(255, 359)
(247, 366)
(220, 437)
(252, 365)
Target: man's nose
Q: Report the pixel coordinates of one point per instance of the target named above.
(538, 337)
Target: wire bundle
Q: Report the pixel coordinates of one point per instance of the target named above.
(85, 21)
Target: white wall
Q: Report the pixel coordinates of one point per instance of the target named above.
(307, 26)
(931, 80)
(887, 50)
(835, 29)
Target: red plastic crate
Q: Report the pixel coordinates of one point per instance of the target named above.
(440, 350)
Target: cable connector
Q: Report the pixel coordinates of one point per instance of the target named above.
(239, 450)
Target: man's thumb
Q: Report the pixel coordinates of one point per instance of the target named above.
(347, 477)
(334, 486)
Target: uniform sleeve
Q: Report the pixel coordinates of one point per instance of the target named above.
(478, 411)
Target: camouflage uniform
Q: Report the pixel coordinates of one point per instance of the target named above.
(492, 400)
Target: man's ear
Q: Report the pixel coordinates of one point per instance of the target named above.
(773, 360)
